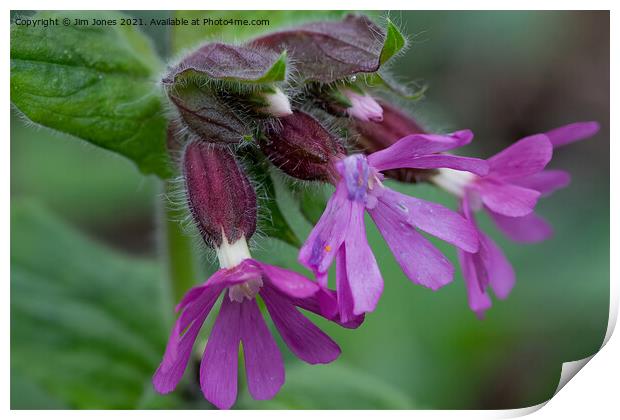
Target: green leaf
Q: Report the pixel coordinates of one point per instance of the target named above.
(87, 324)
(95, 187)
(382, 80)
(394, 42)
(271, 219)
(276, 224)
(277, 72)
(312, 203)
(98, 83)
(332, 387)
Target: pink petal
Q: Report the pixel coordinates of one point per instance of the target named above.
(304, 338)
(501, 275)
(477, 298)
(571, 133)
(433, 218)
(545, 182)
(363, 273)
(263, 362)
(473, 165)
(325, 304)
(527, 229)
(507, 199)
(415, 146)
(218, 368)
(179, 348)
(525, 157)
(328, 234)
(196, 305)
(290, 283)
(421, 262)
(343, 288)
(195, 292)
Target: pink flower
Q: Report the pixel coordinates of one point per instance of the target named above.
(509, 194)
(222, 202)
(240, 321)
(340, 233)
(530, 227)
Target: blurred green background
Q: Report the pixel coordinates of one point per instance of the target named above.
(89, 313)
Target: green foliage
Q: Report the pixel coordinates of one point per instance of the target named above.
(95, 188)
(271, 220)
(97, 83)
(277, 72)
(332, 387)
(379, 80)
(394, 42)
(312, 203)
(87, 324)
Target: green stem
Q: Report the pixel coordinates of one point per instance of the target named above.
(177, 249)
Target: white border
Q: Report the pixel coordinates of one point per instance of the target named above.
(594, 393)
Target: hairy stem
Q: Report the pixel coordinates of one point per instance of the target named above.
(176, 249)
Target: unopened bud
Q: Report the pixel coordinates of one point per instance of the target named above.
(208, 116)
(300, 146)
(363, 106)
(220, 197)
(378, 135)
(328, 51)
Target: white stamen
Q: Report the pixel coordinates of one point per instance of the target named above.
(247, 290)
(453, 181)
(231, 255)
(278, 104)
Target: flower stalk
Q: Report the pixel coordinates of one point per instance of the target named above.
(176, 248)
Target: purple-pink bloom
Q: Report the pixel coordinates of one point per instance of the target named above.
(531, 228)
(509, 193)
(488, 267)
(500, 195)
(240, 321)
(340, 233)
(571, 133)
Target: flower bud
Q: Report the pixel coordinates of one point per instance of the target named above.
(220, 197)
(363, 106)
(208, 116)
(300, 146)
(378, 135)
(240, 64)
(327, 51)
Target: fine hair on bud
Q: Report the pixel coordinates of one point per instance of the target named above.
(220, 196)
(301, 147)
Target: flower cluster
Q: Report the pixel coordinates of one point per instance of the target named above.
(276, 96)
